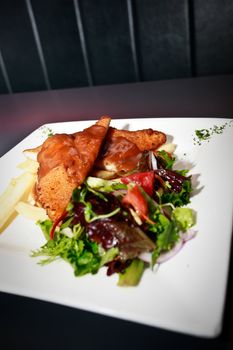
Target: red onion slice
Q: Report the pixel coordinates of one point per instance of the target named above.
(146, 257)
(153, 161)
(184, 237)
(168, 255)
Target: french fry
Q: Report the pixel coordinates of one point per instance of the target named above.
(29, 165)
(30, 211)
(17, 190)
(32, 153)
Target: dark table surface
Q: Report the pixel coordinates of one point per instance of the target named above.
(33, 324)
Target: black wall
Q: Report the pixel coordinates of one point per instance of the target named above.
(53, 44)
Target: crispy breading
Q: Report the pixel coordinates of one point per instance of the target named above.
(124, 151)
(54, 191)
(119, 155)
(64, 162)
(145, 140)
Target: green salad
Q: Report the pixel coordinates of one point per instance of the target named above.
(125, 225)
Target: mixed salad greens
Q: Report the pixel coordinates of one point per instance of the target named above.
(126, 224)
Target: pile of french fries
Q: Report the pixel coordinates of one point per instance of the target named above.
(18, 196)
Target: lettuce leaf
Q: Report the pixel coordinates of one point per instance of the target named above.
(132, 274)
(184, 218)
(178, 199)
(78, 250)
(104, 185)
(165, 159)
(166, 235)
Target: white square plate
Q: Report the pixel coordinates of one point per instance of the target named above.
(185, 294)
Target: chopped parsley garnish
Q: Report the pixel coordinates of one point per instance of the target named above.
(206, 134)
(47, 131)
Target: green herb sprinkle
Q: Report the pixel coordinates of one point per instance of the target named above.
(206, 134)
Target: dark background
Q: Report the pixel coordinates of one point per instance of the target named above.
(57, 44)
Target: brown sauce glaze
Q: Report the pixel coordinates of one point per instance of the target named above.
(120, 154)
(76, 152)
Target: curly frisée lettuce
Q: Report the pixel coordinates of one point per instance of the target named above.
(75, 248)
(114, 223)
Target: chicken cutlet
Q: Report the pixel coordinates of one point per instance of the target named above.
(145, 140)
(65, 160)
(125, 151)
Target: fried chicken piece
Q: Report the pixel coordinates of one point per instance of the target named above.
(119, 156)
(124, 151)
(145, 140)
(64, 163)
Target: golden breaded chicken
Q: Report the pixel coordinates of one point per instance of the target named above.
(124, 151)
(119, 156)
(64, 162)
(145, 140)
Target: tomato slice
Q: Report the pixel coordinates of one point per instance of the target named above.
(135, 198)
(145, 179)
